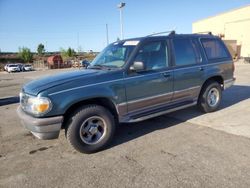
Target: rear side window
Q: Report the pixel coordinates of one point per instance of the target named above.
(214, 49)
(186, 52)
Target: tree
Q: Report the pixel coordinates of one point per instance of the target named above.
(25, 54)
(71, 52)
(40, 49)
(66, 54)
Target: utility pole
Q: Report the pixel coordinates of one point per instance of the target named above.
(46, 48)
(120, 6)
(78, 42)
(107, 34)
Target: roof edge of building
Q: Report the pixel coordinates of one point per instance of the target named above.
(245, 6)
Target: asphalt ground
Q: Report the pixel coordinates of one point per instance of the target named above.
(181, 149)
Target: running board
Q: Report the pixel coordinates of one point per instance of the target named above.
(142, 118)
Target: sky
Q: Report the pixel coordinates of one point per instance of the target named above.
(81, 24)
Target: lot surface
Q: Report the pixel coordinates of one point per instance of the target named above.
(181, 149)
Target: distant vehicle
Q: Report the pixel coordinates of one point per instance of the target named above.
(6, 67)
(13, 68)
(27, 67)
(20, 66)
(85, 63)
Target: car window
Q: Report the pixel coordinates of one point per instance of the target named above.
(186, 52)
(114, 55)
(154, 55)
(214, 48)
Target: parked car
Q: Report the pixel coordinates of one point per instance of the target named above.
(13, 68)
(20, 66)
(129, 81)
(27, 67)
(6, 67)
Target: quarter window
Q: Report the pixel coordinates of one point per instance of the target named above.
(214, 48)
(154, 55)
(185, 52)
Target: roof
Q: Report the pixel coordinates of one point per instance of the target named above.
(52, 58)
(169, 36)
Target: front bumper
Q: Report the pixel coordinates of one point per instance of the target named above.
(228, 83)
(13, 70)
(42, 128)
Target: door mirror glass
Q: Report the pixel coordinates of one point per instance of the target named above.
(137, 66)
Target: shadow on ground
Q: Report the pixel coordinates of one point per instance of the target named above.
(127, 132)
(234, 95)
(9, 100)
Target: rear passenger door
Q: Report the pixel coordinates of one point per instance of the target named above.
(188, 69)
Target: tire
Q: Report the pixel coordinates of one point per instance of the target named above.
(210, 97)
(86, 125)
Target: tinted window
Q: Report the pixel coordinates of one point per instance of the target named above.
(185, 52)
(154, 55)
(214, 48)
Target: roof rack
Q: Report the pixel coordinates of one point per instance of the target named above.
(170, 33)
(204, 32)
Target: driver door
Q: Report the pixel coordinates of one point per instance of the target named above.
(152, 87)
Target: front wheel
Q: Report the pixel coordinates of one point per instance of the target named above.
(90, 128)
(210, 97)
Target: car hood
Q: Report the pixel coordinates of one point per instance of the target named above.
(36, 86)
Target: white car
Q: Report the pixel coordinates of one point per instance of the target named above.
(13, 68)
(27, 67)
(6, 67)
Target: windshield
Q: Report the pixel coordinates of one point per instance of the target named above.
(114, 55)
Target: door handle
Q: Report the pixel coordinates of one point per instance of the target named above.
(201, 68)
(166, 75)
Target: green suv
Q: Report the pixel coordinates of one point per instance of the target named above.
(129, 81)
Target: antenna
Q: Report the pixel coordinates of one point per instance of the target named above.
(172, 32)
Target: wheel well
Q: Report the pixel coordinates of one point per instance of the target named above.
(105, 102)
(218, 79)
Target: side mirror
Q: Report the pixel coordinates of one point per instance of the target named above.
(137, 66)
(87, 64)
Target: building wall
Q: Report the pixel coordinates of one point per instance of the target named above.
(234, 25)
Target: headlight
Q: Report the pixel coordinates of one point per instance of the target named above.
(35, 105)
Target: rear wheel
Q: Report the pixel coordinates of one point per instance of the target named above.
(90, 128)
(210, 97)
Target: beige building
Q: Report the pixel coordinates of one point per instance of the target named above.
(233, 27)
